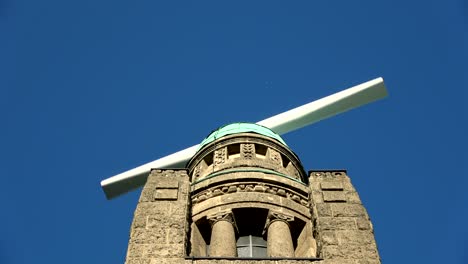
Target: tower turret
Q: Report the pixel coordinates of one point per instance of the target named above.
(247, 180)
(244, 197)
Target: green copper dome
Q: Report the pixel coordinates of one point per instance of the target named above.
(236, 128)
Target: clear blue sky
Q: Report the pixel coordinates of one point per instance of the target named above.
(89, 89)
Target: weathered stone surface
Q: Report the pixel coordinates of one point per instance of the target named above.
(306, 244)
(154, 208)
(167, 183)
(159, 227)
(138, 261)
(142, 236)
(280, 241)
(324, 210)
(336, 223)
(317, 196)
(343, 209)
(337, 261)
(367, 261)
(314, 185)
(334, 196)
(258, 262)
(198, 244)
(139, 221)
(176, 235)
(169, 261)
(328, 238)
(350, 252)
(166, 194)
(157, 221)
(364, 223)
(331, 186)
(343, 229)
(353, 197)
(223, 239)
(154, 250)
(163, 250)
(355, 237)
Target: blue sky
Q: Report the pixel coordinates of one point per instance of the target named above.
(89, 89)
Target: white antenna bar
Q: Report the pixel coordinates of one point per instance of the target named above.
(135, 178)
(326, 107)
(282, 123)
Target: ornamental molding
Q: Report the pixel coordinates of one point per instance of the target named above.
(240, 187)
(225, 215)
(245, 138)
(277, 216)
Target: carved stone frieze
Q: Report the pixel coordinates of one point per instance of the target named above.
(292, 195)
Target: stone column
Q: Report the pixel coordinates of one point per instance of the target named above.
(223, 236)
(279, 240)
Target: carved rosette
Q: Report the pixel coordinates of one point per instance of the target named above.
(248, 151)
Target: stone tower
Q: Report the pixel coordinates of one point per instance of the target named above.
(245, 198)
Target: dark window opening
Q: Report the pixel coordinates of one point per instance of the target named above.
(285, 160)
(251, 246)
(208, 159)
(233, 151)
(260, 151)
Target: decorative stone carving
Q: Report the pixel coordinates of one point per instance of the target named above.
(277, 216)
(196, 173)
(249, 188)
(220, 156)
(248, 147)
(275, 156)
(282, 192)
(232, 189)
(247, 151)
(221, 216)
(260, 188)
(238, 187)
(279, 241)
(223, 237)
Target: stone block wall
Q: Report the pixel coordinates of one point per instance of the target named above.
(159, 230)
(343, 230)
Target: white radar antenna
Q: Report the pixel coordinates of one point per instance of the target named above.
(281, 124)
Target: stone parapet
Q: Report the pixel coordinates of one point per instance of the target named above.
(245, 150)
